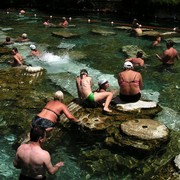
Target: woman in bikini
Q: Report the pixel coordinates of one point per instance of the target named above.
(130, 83)
(49, 115)
(84, 88)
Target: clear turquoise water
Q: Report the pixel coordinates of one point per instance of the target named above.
(103, 58)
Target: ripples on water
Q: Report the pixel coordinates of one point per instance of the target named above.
(102, 57)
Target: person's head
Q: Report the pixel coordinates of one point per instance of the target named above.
(33, 47)
(139, 54)
(128, 65)
(8, 39)
(83, 72)
(64, 18)
(58, 95)
(24, 35)
(102, 83)
(37, 134)
(14, 50)
(169, 44)
(158, 38)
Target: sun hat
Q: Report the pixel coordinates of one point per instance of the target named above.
(24, 35)
(102, 82)
(32, 46)
(59, 95)
(128, 65)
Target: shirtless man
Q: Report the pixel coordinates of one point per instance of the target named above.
(32, 159)
(130, 83)
(137, 61)
(18, 59)
(84, 88)
(169, 55)
(34, 51)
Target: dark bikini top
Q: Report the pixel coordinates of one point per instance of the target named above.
(58, 116)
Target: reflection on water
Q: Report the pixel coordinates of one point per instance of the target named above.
(103, 58)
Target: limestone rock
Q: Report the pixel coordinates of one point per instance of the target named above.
(136, 105)
(177, 161)
(65, 34)
(103, 32)
(131, 51)
(146, 129)
(35, 69)
(151, 33)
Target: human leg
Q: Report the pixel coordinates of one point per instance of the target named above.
(104, 95)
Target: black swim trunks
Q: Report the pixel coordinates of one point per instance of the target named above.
(42, 122)
(23, 177)
(130, 98)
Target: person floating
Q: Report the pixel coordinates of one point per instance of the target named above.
(169, 55)
(33, 160)
(34, 51)
(137, 61)
(50, 114)
(85, 94)
(130, 83)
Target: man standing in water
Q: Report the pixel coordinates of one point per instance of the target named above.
(169, 55)
(33, 160)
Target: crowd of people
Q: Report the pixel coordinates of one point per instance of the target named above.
(31, 158)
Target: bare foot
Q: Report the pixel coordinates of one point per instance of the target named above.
(107, 110)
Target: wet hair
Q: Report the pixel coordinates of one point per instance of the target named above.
(170, 43)
(15, 49)
(139, 54)
(8, 39)
(83, 72)
(36, 133)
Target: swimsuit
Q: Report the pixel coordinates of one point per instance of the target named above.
(90, 98)
(133, 81)
(23, 177)
(89, 101)
(130, 98)
(58, 116)
(42, 122)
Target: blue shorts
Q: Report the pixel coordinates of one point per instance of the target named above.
(42, 122)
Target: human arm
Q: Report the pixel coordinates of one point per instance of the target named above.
(119, 79)
(68, 114)
(18, 60)
(159, 57)
(77, 86)
(17, 161)
(48, 165)
(128, 59)
(140, 81)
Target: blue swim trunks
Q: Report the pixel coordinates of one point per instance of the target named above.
(42, 122)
